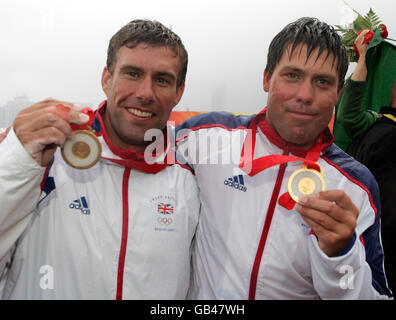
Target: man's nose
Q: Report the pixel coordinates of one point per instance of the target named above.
(145, 92)
(305, 93)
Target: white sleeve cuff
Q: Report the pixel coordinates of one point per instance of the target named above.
(347, 276)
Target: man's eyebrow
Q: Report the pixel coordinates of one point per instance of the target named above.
(318, 75)
(292, 68)
(165, 74)
(130, 67)
(138, 69)
(326, 75)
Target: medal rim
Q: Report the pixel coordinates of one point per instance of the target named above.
(295, 173)
(89, 133)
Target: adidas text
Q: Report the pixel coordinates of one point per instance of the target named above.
(236, 182)
(80, 204)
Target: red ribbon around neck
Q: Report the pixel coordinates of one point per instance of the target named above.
(253, 167)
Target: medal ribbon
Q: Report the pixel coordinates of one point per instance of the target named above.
(91, 114)
(253, 167)
(136, 160)
(64, 112)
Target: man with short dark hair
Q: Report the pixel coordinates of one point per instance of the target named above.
(294, 217)
(120, 229)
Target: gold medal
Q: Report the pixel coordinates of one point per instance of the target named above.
(305, 182)
(83, 151)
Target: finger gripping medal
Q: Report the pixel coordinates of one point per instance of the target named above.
(84, 150)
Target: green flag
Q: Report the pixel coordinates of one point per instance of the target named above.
(381, 73)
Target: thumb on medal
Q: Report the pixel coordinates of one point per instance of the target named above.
(78, 117)
(69, 113)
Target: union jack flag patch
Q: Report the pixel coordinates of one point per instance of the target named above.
(165, 208)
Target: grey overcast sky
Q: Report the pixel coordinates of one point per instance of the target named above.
(57, 48)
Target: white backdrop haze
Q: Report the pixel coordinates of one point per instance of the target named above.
(57, 48)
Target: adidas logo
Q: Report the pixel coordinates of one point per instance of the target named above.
(236, 182)
(80, 204)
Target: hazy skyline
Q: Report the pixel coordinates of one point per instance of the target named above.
(58, 48)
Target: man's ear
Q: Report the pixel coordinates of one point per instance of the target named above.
(266, 81)
(106, 78)
(179, 94)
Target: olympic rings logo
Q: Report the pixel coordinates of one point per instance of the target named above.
(164, 221)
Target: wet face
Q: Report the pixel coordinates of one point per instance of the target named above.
(141, 93)
(302, 94)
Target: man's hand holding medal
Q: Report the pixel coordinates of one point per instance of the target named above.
(48, 124)
(331, 214)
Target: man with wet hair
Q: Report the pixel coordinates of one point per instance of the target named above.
(154, 34)
(315, 36)
(122, 228)
(306, 222)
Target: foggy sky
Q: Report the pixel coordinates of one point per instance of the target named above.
(57, 48)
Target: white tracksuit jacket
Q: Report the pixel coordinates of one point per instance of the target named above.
(108, 232)
(250, 247)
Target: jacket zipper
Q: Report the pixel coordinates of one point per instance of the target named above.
(124, 235)
(264, 234)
